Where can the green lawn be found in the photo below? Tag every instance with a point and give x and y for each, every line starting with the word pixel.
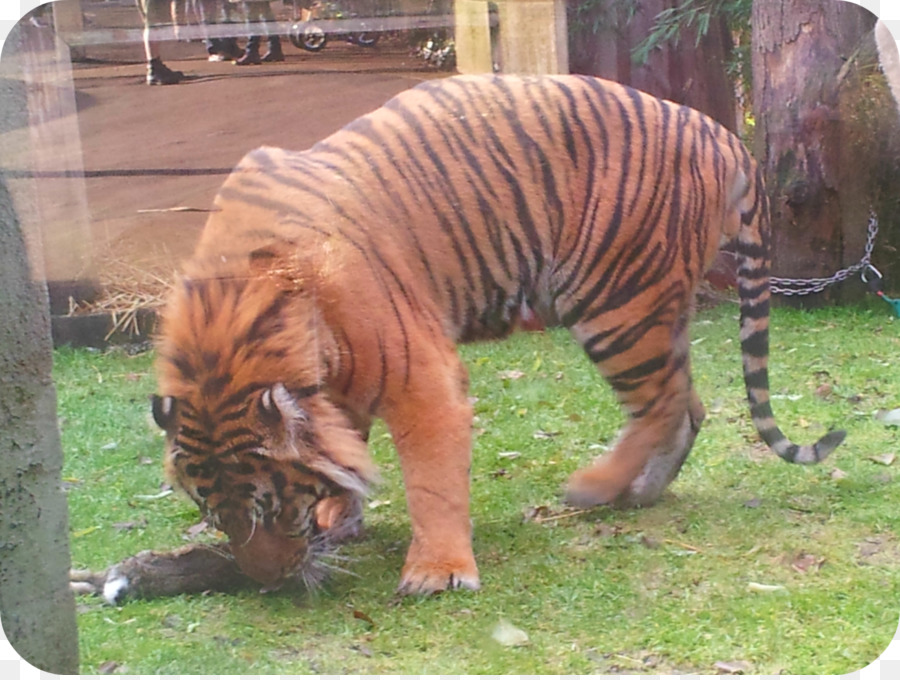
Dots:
pixel 660 590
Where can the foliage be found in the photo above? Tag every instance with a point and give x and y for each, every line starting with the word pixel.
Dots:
pixel 683 587
pixel 597 16
pixel 671 23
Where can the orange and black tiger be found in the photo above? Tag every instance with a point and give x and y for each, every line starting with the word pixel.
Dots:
pixel 331 286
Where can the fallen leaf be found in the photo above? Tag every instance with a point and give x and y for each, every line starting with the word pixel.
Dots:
pixel 837 474
pixel 508 635
pixel 752 503
pixel 512 374
pixel 362 616
pixel 535 512
pixel 197 529
pixel 377 504
pixel 824 391
pixel 509 454
pixel 649 542
pixel 110 446
pixel 732 667
pixel 84 532
pixel 607 530
pixel 543 434
pixel 804 562
pixel 754 587
pixel 108 668
pixel 889 417
pixel 883 459
pixel 155 496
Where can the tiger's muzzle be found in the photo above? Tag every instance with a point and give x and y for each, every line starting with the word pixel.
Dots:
pixel 271 554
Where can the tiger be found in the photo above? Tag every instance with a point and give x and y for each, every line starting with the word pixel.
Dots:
pixel 332 286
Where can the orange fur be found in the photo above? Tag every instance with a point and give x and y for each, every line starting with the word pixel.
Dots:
pixel 332 285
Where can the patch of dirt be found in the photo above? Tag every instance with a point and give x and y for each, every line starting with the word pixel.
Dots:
pixel 879 550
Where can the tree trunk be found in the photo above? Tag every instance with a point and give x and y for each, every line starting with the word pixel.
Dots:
pixel 603 35
pixel 826 136
pixel 36 605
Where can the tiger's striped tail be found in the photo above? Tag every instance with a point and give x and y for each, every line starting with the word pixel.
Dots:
pixel 753 247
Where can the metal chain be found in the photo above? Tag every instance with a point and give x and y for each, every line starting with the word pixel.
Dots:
pixel 809 286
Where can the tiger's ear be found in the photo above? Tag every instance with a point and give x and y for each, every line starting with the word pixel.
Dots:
pixel 326 441
pixel 163 411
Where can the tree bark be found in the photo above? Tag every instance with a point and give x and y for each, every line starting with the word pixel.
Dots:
pixel 826 136
pixel 37 608
pixel 603 35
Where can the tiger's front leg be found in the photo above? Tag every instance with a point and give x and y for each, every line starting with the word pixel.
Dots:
pixel 432 432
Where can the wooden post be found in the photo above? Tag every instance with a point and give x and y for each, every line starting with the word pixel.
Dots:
pixel 473 36
pixel 68 20
pixel 533 37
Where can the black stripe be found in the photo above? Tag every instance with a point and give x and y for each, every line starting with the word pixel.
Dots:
pixel 761 410
pixel 305 391
pixel 241 395
pixel 758 310
pixel 234 415
pixel 757 344
pixel 753 251
pixel 632 378
pixel 757 380
pixel 746 292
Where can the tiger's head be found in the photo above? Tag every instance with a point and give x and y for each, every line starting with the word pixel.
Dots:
pixel 251 435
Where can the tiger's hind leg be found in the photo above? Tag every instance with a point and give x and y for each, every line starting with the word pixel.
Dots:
pixel 663 409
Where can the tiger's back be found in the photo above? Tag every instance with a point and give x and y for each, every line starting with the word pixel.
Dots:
pixel 501 191
pixel 458 209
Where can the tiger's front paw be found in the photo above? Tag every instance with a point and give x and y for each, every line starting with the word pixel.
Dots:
pixel 426 578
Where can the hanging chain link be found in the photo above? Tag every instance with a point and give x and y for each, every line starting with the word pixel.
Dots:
pixel 809 286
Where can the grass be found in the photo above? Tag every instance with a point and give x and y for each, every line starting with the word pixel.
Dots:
pixel 663 590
